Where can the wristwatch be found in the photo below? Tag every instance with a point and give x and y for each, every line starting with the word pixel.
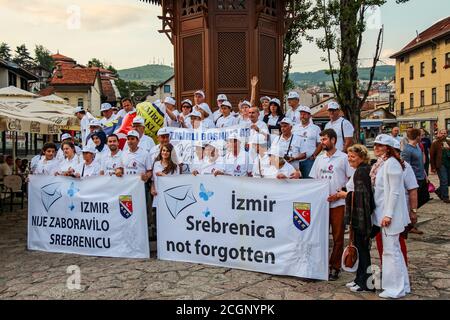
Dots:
pixel 414 210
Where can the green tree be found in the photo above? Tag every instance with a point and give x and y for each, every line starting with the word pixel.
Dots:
pixel 298 22
pixel 22 57
pixel 5 51
pixel 43 57
pixel 94 62
pixel 344 23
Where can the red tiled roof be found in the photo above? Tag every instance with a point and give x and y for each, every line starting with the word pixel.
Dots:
pixel 47 91
pixel 108 91
pixel 60 57
pixel 437 30
pixel 74 77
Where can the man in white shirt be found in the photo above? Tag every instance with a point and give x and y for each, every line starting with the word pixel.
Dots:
pixel 109 118
pixel 309 134
pixel 293 112
pixel 85 118
pixel 113 161
pixel 289 143
pixel 66 137
pixel 135 160
pixel 127 107
pixel 197 123
pixel 343 128
pixel 218 113
pixel 236 162
pixel 145 142
pixel 333 166
pixel 201 106
pixel 226 119
pixel 256 125
pixel 170 113
pixel 48 164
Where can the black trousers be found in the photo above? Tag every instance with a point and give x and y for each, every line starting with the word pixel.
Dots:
pixel 362 243
pixel 423 196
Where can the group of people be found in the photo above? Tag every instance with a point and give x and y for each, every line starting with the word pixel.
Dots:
pixel 378 201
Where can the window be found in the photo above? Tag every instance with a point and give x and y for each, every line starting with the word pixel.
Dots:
pixel 402 85
pixel 407 59
pixel 447 124
pixel 411 73
pixel 433 96
pixel 167 88
pixel 80 102
pixel 422 98
pixel 23 84
pixel 422 69
pixel 12 79
pixel 402 108
pixel 411 100
pixel 447 92
pixel 433 65
pixel 447 59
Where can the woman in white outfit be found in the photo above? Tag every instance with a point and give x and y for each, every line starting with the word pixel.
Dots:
pixel 71 160
pixel 391 214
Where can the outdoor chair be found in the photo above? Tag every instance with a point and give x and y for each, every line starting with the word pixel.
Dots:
pixel 13 185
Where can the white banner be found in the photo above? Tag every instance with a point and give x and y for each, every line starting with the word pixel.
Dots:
pixel 266 225
pixel 101 216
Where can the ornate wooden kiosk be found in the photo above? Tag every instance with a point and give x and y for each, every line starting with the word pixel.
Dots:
pixel 220 44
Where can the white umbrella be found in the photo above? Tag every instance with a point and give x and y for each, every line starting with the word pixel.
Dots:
pixel 15 97
pixel 53 98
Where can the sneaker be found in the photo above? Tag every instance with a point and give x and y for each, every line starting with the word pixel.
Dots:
pixel 384 295
pixel 334 275
pixel 359 289
pixel 350 284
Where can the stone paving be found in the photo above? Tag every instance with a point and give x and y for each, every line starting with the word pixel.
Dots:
pixel 37 275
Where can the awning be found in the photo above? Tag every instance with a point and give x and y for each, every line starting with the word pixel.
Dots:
pixel 371 123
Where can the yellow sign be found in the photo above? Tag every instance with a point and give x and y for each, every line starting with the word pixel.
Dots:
pixel 154 118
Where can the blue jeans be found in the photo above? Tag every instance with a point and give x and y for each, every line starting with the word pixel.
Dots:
pixel 305 168
pixel 444 177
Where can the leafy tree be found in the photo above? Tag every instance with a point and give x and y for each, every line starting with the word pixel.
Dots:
pixel 5 51
pixel 22 57
pixel 43 57
pixel 94 62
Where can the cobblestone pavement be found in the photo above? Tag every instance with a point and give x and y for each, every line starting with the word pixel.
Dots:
pixel 38 275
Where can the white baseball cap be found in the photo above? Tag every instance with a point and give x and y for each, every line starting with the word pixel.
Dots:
pixel 247 103
pixel 133 133
pixel 258 139
pixel 189 102
pixel 396 144
pixel 170 100
pixel 79 109
pixel 265 98
pixel 305 109
pixel 222 97
pixel 227 103
pixel 276 101
pixel 66 136
pixel 333 106
pixel 195 113
pixel 105 107
pixel 293 95
pixel 163 131
pixel 95 123
pixel 287 121
pixel 200 92
pixel 89 149
pixel 385 140
pixel 205 107
pixel 139 121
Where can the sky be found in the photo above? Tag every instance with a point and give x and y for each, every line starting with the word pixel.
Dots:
pixel 125 34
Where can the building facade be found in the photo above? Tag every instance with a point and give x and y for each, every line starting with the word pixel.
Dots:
pixel 423 80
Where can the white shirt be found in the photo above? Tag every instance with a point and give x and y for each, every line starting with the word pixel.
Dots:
pixel 100 155
pixel 84 127
pixel 261 115
pixel 260 165
pixel 217 114
pixel 136 163
pixel 66 164
pixel 237 166
pixel 34 162
pixel 224 122
pixel 158 167
pixel 204 125
pixel 60 153
pixel 263 129
pixel 88 170
pixel 310 137
pixel 154 153
pixel 111 162
pixel 291 149
pixel 108 122
pixel 122 113
pixel 272 121
pixel 271 172
pixel 347 127
pixel 145 143
pixel 336 170
pixel 294 115
pixel 242 122
pixel 168 122
pixel 47 167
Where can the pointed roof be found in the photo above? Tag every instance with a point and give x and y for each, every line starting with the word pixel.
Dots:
pixel 437 30
pixel 60 57
pixel 85 76
pixel 16 92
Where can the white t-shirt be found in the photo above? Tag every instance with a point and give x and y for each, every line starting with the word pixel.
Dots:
pixel 291 149
pixel 99 155
pixel 122 113
pixel 136 163
pixel 110 163
pixel 260 165
pixel 310 137
pixel 66 164
pixel 334 169
pixel 272 121
pixel 347 127
pixel 168 122
pixel 237 166
pixel 47 167
pixel 217 114
pixel 271 172
pixel 158 167
pixel 91 170
pixel 145 143
pixel 207 167
pixel 241 121
pixel 263 129
pixel 294 115
pixel 60 153
pixel 33 165
pixel 224 122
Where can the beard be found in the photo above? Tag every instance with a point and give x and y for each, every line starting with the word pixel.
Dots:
pixel 326 147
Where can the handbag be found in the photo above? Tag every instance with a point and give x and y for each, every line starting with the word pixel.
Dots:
pixel 350 256
pixel 431 187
